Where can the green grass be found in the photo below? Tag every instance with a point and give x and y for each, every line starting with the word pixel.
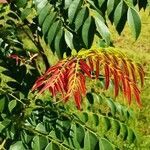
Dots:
pixel 139 51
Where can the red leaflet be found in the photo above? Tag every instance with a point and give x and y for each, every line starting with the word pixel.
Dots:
pixel 97 68
pixel 137 95
pixel 37 85
pixel 82 84
pixel 116 82
pixel 77 97
pixel 107 75
pixel 125 66
pixel 141 74
pixel 128 92
pixel 123 84
pixel 85 68
pixel 132 68
pixel 91 63
pixel 115 60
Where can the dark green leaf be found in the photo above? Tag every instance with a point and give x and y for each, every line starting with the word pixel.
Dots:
pixel 4 124
pixel 102 29
pixel 112 106
pixel 21 3
pixel 107 123
pixel 41 128
pixel 40 5
pixel 53 31
pixel 134 22
pixel 101 2
pixel 105 145
pixel 67 3
pixel 81 16
pixel 90 141
pixel 116 126
pixel 73 9
pixel 120 16
pixel 77 133
pixel 52 146
pixel 17 146
pixel 69 39
pixel 2 103
pixel 110 6
pixel 39 142
pixel 58 43
pixel 123 132
pixel 44 12
pixel 131 136
pixel 12 104
pixel 88 32
pixel 48 22
pixel 25 13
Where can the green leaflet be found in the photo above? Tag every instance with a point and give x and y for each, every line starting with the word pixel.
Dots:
pixel 116 127
pixel 69 39
pixel 4 124
pixel 102 29
pixel 41 128
pixel 53 31
pixel 120 10
pixel 134 22
pixel 40 5
pixel 112 106
pixel 44 12
pixel 39 142
pixel 110 6
pixel 123 132
pixel 88 32
pixel 58 43
pixel 81 16
pixel 48 22
pixel 67 3
pixel 2 103
pixel 17 146
pixel 12 104
pixel 25 13
pixel 77 132
pixel 73 9
pixel 105 145
pixel 90 141
pixel 21 3
pixel 131 136
pixel 100 2
pixel 52 146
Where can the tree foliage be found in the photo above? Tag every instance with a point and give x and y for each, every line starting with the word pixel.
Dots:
pixel 29 120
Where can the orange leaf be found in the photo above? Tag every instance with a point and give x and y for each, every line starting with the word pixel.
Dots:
pixel 97 68
pixel 137 95
pixel 107 75
pixel 77 98
pixel 85 68
pixel 116 82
